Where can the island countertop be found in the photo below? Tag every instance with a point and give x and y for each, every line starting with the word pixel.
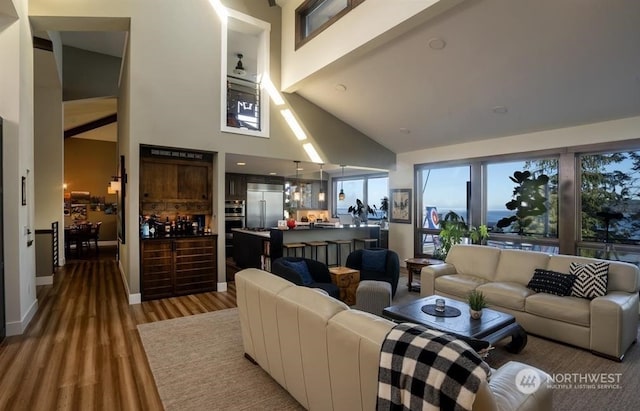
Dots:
pixel 249 244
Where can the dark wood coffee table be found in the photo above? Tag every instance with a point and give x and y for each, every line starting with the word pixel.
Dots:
pixel 493 326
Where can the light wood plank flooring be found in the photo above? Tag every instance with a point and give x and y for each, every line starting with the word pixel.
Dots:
pixel 82 350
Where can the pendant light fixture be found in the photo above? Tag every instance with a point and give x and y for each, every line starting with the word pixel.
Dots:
pixel 239 70
pixel 321 193
pixel 296 193
pixel 341 195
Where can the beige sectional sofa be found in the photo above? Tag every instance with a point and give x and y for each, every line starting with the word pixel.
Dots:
pixel 326 355
pixel 606 325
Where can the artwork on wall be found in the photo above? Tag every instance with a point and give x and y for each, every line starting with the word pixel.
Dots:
pixel 400 210
pixel 80 197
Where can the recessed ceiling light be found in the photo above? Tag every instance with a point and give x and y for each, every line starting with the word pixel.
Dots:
pixel 240 163
pixel 272 173
pixel 340 87
pixel 500 110
pixel 405 130
pixel 437 43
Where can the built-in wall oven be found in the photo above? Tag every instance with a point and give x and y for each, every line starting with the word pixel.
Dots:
pixel 234 217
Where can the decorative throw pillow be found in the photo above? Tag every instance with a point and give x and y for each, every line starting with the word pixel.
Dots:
pixel 374 260
pixel 591 279
pixel 551 282
pixel 301 268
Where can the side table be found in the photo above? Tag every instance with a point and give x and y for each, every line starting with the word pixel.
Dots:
pixel 414 266
pixel 347 280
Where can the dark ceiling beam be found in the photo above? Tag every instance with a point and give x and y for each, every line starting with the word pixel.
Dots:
pixel 42 44
pixel 272 3
pixel 92 125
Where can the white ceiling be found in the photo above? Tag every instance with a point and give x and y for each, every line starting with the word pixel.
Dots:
pixel 547 63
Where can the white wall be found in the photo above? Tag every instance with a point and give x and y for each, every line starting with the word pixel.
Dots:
pixel 16 107
pixel 349 34
pixel 401 236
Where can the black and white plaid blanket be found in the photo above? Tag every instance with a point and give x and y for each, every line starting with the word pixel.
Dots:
pixel 423 369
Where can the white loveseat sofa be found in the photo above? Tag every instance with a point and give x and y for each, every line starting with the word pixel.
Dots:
pixel 326 355
pixel 606 325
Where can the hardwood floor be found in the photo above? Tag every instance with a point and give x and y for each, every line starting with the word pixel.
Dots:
pixel 82 350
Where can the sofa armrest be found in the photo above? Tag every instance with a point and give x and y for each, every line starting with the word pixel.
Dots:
pixel 429 274
pixel 509 395
pixel 614 323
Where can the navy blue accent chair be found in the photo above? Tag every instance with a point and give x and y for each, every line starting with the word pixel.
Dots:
pixel 388 271
pixel 319 272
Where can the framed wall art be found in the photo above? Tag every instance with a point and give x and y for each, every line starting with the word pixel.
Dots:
pixel 400 205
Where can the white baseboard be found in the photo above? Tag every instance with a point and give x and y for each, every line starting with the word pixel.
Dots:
pixel 45 280
pixel 222 287
pixel 133 298
pixel 18 327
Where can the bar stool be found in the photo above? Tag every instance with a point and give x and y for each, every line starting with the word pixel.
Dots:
pixel 339 244
pixel 293 246
pixel 314 245
pixel 366 242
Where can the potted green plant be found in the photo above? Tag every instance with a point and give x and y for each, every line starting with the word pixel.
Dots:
pixel 359 211
pixel 384 207
pixel 476 302
pixel 453 229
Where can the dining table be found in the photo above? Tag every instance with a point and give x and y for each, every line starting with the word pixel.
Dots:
pixel 75 234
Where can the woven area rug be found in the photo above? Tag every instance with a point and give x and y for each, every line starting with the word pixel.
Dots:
pixel 198 364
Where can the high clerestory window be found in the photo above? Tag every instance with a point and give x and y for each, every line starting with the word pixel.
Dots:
pixel 314 16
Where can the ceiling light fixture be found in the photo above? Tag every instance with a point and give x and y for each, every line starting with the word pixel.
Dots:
pixel 296 192
pixel 321 196
pixel 239 70
pixel 341 195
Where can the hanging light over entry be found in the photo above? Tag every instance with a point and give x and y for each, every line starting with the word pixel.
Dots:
pixel 341 194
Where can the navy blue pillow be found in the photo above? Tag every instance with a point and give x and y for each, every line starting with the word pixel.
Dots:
pixel 301 268
pixel 374 260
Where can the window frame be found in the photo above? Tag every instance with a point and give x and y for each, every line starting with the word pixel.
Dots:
pixel 335 182
pixel 309 6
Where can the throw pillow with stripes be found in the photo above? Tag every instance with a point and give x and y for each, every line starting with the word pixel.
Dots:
pixel 591 279
pixel 551 282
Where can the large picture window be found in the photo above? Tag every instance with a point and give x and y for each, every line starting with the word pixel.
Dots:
pixel 610 202
pixel 368 189
pixel 501 189
pixel 441 190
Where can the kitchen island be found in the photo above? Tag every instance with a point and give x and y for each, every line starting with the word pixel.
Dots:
pixel 252 248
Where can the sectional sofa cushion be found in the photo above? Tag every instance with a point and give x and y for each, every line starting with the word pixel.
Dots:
pixel 551 282
pixel 591 279
pixel 518 265
pixel 473 261
pixel 505 294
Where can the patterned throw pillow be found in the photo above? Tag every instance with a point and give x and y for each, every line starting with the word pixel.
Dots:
pixel 591 279
pixel 551 282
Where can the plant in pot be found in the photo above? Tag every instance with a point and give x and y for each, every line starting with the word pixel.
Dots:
pixel 453 229
pixel 527 201
pixel 476 302
pixel 384 208
pixel 359 211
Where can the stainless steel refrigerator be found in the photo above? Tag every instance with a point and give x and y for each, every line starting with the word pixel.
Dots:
pixel 265 205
